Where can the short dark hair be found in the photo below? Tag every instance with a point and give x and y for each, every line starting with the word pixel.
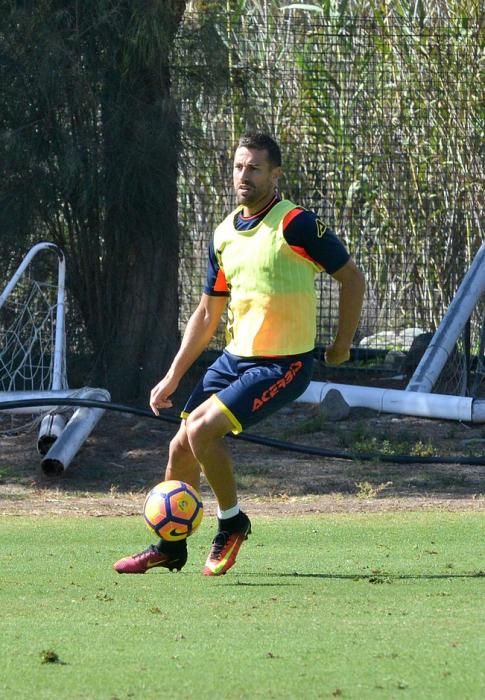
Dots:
pixel 262 142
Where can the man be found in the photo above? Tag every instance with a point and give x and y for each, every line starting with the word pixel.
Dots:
pixel 262 260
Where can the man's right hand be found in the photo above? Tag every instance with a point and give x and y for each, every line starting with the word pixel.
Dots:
pixel 161 393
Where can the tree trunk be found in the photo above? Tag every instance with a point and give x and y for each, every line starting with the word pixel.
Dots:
pixel 140 319
pixel 133 314
pixel 139 333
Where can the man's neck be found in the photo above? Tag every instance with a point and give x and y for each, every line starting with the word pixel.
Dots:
pixel 256 213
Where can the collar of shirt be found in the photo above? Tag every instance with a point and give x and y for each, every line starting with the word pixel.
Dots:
pixel 246 223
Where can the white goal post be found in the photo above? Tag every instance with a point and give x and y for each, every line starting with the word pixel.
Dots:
pixel 33 357
pixel 30 336
pixel 440 350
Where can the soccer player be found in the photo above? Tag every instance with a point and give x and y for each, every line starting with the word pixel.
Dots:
pixel 263 259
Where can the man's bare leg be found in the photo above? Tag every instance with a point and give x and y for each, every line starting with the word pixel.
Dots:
pixel 182 465
pixel 206 427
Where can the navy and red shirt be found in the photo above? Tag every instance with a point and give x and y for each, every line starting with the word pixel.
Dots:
pixel 302 230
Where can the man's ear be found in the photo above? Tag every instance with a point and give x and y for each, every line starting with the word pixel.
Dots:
pixel 277 173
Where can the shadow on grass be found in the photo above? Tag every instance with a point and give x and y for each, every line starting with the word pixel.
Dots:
pixel 373 578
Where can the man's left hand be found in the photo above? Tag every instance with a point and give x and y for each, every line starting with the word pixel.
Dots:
pixel 335 355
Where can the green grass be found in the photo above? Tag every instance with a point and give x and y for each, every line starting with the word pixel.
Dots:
pixel 352 606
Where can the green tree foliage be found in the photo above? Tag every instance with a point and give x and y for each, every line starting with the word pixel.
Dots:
pixel 89 138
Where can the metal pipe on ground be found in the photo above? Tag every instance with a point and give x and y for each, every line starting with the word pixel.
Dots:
pixel 50 429
pixel 76 432
pixel 421 404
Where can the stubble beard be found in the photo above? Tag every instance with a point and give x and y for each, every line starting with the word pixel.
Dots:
pixel 246 197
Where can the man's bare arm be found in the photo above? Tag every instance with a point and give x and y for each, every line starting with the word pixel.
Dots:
pixel 352 288
pixel 198 333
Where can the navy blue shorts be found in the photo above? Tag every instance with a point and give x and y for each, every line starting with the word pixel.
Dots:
pixel 248 389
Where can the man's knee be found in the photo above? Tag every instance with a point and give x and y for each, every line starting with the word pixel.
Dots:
pixel 179 444
pixel 196 429
pixel 206 424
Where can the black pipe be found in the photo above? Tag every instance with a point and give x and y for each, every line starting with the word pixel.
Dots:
pixel 248 437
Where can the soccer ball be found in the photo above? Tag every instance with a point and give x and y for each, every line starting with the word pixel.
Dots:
pixel 173 510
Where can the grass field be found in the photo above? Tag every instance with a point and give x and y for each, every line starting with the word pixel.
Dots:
pixel 352 606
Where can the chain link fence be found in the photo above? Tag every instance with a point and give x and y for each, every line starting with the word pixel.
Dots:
pixel 381 129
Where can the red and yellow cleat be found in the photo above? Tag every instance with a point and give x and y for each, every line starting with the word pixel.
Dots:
pixel 149 559
pixel 225 547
